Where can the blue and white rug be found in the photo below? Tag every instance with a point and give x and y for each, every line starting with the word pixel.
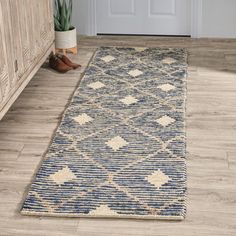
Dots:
pixel 120 148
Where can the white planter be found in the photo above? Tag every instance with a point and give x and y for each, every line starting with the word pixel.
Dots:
pixel 66 39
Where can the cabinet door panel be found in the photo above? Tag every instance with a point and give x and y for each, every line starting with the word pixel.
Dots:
pixel 8 39
pixel 45 31
pixel 17 38
pixel 35 29
pixel 26 32
pixel 4 76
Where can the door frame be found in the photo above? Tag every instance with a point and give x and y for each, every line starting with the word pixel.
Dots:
pixel 196 18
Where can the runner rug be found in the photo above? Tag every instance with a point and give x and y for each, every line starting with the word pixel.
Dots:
pixel 119 150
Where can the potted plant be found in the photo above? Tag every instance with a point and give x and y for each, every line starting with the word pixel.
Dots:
pixel 65 33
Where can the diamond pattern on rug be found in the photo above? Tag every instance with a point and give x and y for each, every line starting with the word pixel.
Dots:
pixel 158 178
pixel 103 210
pixel 123 143
pixel 119 150
pixel 62 176
pixel 116 143
pixel 96 85
pixel 165 120
pixel 128 100
pixel 168 60
pixel 166 87
pixel 83 119
pixel 135 73
pixel 108 58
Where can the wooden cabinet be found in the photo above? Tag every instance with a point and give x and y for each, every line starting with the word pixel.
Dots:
pixel 4 76
pixel 26 39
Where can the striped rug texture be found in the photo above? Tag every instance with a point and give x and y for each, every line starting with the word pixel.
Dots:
pixel 119 150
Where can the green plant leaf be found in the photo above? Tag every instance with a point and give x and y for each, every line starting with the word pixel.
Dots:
pixel 57 24
pixel 57 10
pixel 68 17
pixel 63 14
pixel 70 7
pixel 59 5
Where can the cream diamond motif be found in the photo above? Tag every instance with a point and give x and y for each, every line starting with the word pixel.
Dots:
pixel 135 73
pixel 103 210
pixel 166 87
pixel 165 120
pixel 140 49
pixel 83 119
pixel 108 58
pixel 116 143
pixel 128 100
pixel 158 178
pixel 168 60
pixel 63 176
pixel 96 85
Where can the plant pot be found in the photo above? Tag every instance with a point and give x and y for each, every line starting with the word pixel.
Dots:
pixel 66 39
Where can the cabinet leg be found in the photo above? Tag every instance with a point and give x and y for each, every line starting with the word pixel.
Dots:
pixel 64 51
pixel 74 50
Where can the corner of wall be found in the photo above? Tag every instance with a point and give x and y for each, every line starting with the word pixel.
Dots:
pixel 92 24
pixel 196 18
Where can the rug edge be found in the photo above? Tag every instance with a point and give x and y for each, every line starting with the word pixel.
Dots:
pixel 75 215
pixel 61 116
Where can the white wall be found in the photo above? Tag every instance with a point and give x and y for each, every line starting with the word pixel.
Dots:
pixel 80 16
pixel 218 18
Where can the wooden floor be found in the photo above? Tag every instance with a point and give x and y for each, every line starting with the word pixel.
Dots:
pixel 27 128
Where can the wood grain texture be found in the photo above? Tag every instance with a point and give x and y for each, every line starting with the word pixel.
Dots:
pixel 27 33
pixel 27 128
